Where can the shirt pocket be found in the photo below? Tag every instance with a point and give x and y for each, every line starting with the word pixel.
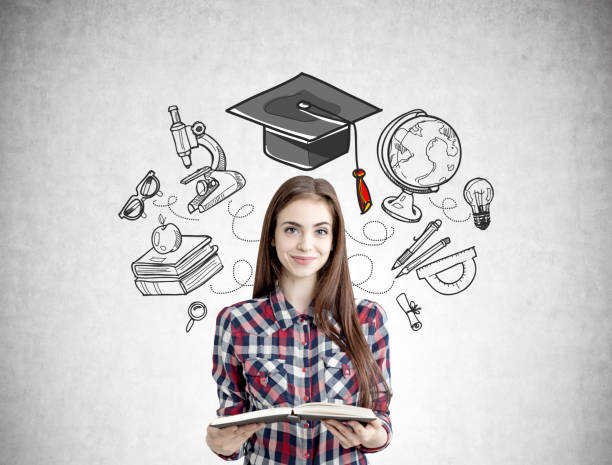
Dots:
pixel 340 379
pixel 266 382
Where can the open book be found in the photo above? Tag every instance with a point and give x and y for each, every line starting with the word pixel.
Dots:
pixel 311 411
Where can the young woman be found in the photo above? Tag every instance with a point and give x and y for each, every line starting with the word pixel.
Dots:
pixel 302 338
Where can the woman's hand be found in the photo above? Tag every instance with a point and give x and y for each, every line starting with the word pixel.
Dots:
pixel 226 441
pixel 371 436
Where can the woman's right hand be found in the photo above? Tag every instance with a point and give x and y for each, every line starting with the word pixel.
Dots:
pixel 226 441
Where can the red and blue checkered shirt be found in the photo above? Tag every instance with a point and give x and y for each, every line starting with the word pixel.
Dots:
pixel 267 355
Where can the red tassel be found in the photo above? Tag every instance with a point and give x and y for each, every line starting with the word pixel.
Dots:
pixel 363 193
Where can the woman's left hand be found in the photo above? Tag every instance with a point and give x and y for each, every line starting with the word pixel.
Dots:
pixel 371 436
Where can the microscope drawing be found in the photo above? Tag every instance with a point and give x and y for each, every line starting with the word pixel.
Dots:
pixel 213 183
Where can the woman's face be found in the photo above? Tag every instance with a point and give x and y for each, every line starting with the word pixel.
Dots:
pixel 303 236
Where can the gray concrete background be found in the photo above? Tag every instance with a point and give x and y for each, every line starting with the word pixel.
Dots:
pixel 515 370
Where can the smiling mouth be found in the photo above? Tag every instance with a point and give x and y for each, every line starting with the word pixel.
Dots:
pixel 303 260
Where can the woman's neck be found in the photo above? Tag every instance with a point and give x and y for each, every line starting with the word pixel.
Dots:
pixel 298 291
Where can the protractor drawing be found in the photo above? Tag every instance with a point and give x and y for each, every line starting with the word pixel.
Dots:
pixel 464 259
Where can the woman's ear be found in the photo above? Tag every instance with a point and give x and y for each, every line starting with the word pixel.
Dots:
pixel 272 243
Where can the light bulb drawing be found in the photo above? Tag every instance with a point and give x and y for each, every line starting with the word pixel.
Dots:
pixel 478 193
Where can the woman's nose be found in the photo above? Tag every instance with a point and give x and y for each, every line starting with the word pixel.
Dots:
pixel 304 244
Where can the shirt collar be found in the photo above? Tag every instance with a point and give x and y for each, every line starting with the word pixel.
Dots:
pixel 284 312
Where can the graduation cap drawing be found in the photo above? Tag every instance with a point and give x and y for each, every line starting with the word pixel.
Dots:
pixel 307 123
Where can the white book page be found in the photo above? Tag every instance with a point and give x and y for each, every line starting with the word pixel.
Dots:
pixel 323 408
pixel 260 415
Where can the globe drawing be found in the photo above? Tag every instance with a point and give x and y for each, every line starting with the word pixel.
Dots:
pixel 417 152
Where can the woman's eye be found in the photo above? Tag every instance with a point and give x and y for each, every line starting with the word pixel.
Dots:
pixel 290 230
pixel 321 232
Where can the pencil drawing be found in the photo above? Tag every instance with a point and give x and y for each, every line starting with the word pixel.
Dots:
pixel 430 252
pixel 431 227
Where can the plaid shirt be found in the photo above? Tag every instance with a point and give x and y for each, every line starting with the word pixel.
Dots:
pixel 266 355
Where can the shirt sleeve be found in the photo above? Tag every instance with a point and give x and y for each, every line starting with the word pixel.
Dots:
pixel 227 373
pixel 378 339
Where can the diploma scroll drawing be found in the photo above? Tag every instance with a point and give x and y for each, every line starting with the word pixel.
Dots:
pixel 411 310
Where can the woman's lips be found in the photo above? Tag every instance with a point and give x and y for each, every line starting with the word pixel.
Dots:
pixel 302 260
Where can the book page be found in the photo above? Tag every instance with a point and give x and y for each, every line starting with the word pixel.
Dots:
pixel 327 410
pixel 265 416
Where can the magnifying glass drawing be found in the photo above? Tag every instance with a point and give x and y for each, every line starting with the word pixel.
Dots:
pixel 197 311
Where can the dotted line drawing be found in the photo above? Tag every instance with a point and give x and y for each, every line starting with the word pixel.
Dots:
pixel 443 207
pixel 236 280
pixel 238 215
pixel 358 284
pixel 376 241
pixel 172 199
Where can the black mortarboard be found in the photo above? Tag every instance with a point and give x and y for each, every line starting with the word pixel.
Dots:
pixel 306 121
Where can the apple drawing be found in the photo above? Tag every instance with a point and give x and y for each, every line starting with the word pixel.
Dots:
pixel 166 238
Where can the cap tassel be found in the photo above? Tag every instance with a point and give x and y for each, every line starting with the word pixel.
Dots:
pixel 363 193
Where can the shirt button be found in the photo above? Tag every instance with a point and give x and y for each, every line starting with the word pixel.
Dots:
pixel 306 398
pixel 306 425
pixel 307 455
pixel 305 343
pixel 304 369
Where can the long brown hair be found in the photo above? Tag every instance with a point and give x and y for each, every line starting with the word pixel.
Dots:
pixel 334 288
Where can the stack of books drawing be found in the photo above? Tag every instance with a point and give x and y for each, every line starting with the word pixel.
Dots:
pixel 178 272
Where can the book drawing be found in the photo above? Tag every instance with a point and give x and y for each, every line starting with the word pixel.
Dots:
pixel 192 249
pixel 178 272
pixel 311 411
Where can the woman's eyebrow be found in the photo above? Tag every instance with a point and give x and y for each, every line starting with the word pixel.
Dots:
pixel 294 223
